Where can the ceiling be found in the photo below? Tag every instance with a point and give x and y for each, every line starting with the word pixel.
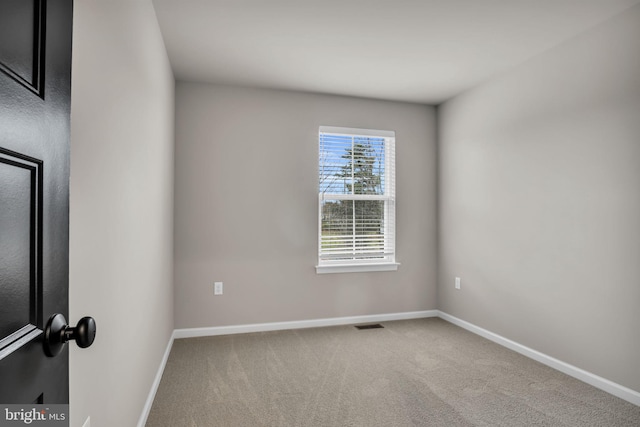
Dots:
pixel 417 51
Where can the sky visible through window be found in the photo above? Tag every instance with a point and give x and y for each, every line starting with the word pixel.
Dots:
pixel 351 164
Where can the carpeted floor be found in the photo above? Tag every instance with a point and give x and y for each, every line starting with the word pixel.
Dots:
pixel 424 372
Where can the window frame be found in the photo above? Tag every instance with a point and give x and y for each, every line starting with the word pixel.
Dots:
pixel 387 261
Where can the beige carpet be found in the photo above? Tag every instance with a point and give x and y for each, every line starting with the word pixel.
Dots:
pixel 424 372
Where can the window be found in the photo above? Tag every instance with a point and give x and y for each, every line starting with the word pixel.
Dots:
pixel 356 213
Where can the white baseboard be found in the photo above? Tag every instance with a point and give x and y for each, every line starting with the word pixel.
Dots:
pixel 604 384
pixel 156 383
pixel 278 326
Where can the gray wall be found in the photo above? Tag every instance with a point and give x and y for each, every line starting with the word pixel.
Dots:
pixel 246 207
pixel 539 202
pixel 121 207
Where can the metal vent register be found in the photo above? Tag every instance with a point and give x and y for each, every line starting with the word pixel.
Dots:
pixel 373 326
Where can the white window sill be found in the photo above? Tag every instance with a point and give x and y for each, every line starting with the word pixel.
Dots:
pixel 356 268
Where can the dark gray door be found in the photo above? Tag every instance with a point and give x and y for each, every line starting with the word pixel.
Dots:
pixel 35 83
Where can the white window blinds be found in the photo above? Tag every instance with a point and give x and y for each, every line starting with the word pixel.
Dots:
pixel 356 196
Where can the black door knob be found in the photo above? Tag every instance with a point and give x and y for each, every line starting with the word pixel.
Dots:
pixel 57 333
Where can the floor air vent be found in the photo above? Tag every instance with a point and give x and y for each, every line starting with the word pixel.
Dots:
pixel 374 326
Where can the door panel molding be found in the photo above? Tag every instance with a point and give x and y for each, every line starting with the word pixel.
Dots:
pixel 34 80
pixel 13 340
pixel 19 338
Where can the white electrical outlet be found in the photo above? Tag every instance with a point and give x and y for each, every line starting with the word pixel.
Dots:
pixel 457 283
pixel 217 288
